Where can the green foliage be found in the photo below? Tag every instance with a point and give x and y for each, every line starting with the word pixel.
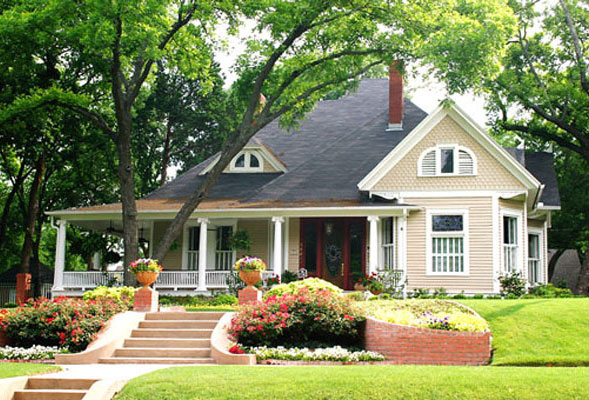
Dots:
pixel 297 319
pixel 512 285
pixel 199 300
pixel 224 299
pixel 420 293
pixel 393 282
pixel 550 291
pixel 313 285
pixel 288 277
pixel 241 241
pixel 66 322
pixel 355 296
pixel 124 294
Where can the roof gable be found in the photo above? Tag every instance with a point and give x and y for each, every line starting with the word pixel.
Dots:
pixel 517 172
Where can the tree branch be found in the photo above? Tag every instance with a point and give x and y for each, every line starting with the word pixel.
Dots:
pixel 576 45
pixel 544 134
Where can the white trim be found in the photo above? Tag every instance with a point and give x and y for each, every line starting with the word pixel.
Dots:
pixel 518 214
pixel 525 242
pixel 470 126
pixel 464 235
pixel 247 159
pixel 151 239
pixel 390 195
pixel 185 236
pixel 496 244
pixel 456 148
pixel 402 249
pixel 285 240
pixel 541 252
pixel 373 247
pixel 262 152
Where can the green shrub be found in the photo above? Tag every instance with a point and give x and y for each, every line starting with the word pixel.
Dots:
pixel 125 294
pixel 66 322
pixel 10 304
pixel 419 293
pixel 512 285
pixel 297 319
pixel 223 300
pixel 355 296
pixel 512 296
pixel 313 285
pixel 478 296
pixel 459 296
pixel 440 293
pixel 288 277
pixel 385 296
pixel 550 291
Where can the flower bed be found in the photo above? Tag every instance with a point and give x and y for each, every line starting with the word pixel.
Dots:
pixel 336 353
pixel 31 353
pixel 66 322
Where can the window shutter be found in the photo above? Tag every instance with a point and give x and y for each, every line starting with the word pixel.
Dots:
pixel 465 163
pixel 428 164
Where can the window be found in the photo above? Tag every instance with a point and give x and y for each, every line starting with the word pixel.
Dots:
pixel 534 260
pixel 224 253
pixel 446 160
pixel 388 243
pixel 247 162
pixel 447 247
pixel 510 244
pixel 193 246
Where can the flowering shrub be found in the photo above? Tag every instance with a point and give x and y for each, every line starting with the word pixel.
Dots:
pixel 273 280
pixel 236 349
pixel 31 353
pixel 145 264
pixel 67 322
pixel 433 314
pixel 248 263
pixel 3 314
pixel 322 317
pixel 312 285
pixel 512 284
pixel 335 353
pixel 126 294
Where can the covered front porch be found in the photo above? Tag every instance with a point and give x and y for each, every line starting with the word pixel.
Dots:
pixel 333 247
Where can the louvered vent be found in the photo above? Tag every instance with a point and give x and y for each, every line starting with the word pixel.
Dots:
pixel 465 163
pixel 428 164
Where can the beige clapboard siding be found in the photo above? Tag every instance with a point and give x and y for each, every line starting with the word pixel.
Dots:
pixel 294 244
pixel 535 223
pixel 490 175
pixel 258 231
pixel 172 260
pixel 480 278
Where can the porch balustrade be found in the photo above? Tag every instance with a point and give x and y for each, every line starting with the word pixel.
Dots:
pixel 89 279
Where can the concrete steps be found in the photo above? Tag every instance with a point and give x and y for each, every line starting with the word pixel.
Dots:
pixel 169 338
pixel 54 389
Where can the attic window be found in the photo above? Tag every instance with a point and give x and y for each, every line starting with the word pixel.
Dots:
pixel 246 161
pixel 446 160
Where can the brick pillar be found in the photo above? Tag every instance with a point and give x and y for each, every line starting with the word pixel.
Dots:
pixel 146 300
pixel 23 287
pixel 249 295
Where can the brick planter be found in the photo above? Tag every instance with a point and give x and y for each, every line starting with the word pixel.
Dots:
pixel 402 344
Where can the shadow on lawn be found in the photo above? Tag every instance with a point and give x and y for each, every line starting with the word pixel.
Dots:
pixel 504 312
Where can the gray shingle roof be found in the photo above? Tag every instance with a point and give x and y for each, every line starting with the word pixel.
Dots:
pixel 329 153
pixel 541 165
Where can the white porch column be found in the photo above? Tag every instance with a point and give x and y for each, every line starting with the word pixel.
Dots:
pixel 202 255
pixel 59 255
pixel 373 255
pixel 402 246
pixel 278 221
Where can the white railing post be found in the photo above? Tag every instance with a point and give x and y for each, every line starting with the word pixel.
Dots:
pixel 202 255
pixel 278 221
pixel 373 255
pixel 59 255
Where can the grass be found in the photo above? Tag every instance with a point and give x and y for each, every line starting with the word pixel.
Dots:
pixel 359 382
pixel 9 370
pixel 537 331
pixel 211 308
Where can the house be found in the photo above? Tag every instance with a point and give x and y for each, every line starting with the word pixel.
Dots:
pixel 367 182
pixel 8 283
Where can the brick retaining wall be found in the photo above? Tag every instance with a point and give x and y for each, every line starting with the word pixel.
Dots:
pixel 402 344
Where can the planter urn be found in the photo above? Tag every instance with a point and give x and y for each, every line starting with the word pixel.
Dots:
pixel 359 287
pixel 146 278
pixel 250 278
pixel 376 292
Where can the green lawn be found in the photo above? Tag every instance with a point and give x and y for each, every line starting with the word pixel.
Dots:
pixel 8 370
pixel 359 382
pixel 537 331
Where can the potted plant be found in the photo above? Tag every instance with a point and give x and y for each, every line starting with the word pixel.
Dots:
pixel 146 270
pixel 250 269
pixel 363 282
pixel 376 287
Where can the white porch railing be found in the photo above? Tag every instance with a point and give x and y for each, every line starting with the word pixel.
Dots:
pixel 224 260
pixel 166 280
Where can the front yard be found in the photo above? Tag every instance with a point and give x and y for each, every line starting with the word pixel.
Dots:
pixel 360 382
pixel 9 370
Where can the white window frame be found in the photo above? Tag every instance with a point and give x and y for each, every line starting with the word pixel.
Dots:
pixel 540 269
pixel 388 247
pixel 518 215
pixel 464 234
pixel 247 167
pixel 438 149
pixel 185 243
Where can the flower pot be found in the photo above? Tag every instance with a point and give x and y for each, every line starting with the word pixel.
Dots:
pixel 146 278
pixel 250 277
pixel 376 292
pixel 359 287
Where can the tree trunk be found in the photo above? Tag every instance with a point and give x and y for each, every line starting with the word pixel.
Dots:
pixel 166 155
pixel 36 263
pixel 33 210
pixel 127 180
pixel 583 282
pixel 4 219
pixel 553 262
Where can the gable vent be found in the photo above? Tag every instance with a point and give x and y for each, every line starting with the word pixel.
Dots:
pixel 428 164
pixel 465 163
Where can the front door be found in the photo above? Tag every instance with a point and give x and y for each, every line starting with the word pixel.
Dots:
pixel 333 249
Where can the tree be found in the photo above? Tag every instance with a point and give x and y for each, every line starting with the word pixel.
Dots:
pixel 542 97
pixel 300 52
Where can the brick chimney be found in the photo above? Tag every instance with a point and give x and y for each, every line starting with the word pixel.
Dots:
pixel 395 97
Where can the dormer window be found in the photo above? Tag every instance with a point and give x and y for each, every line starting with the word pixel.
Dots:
pixel 446 160
pixel 247 161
